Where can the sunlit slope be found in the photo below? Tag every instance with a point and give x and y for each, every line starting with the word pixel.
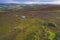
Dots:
pixel 12 28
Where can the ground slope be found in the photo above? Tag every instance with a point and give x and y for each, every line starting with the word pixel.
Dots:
pixel 38 25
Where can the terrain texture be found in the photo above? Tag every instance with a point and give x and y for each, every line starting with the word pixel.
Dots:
pixel 30 24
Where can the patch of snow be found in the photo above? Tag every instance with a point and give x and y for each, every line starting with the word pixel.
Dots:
pixel 23 17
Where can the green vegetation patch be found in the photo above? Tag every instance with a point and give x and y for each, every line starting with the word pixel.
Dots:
pixel 28 29
pixel 57 37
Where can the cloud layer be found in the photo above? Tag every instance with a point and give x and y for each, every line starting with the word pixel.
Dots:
pixel 31 1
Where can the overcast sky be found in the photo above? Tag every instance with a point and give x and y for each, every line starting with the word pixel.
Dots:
pixel 31 1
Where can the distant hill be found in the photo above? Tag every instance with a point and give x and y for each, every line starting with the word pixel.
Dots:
pixel 51 8
pixel 19 7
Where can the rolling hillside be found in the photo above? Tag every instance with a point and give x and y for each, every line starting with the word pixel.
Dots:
pixel 30 24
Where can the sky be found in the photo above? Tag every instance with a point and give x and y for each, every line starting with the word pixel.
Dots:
pixel 31 1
